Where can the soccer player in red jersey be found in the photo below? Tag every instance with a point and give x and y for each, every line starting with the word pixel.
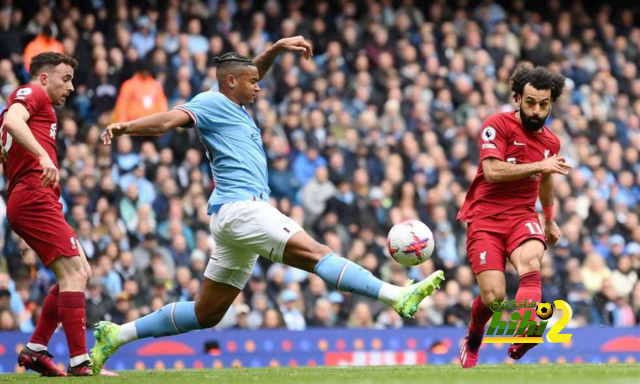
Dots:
pixel 29 156
pixel 518 157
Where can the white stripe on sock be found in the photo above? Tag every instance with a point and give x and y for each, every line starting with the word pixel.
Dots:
pixel 344 268
pixel 389 293
pixel 74 361
pixel 128 333
pixel 36 347
pixel 173 318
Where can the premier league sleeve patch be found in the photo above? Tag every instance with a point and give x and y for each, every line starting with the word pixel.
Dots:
pixel 488 134
pixel 24 92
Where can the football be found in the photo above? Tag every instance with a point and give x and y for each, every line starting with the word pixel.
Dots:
pixel 544 311
pixel 410 242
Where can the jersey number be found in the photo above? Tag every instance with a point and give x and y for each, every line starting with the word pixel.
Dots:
pixel 534 228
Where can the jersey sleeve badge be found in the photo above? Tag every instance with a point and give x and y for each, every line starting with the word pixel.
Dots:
pixel 488 134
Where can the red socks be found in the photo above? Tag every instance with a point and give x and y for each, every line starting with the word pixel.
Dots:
pixel 480 314
pixel 71 309
pixel 48 321
pixel 530 289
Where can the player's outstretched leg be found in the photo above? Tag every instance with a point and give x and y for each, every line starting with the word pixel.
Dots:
pixel 526 259
pixel 305 253
pixel 211 305
pixel 169 320
pixel 492 287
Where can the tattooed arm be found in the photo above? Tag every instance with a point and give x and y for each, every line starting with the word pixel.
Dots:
pixel 297 44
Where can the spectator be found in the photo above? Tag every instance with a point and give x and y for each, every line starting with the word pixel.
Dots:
pixel 315 195
pixel 44 42
pixel 293 318
pixel 140 96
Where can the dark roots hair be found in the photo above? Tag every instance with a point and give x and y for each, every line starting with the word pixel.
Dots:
pixel 539 78
pixel 46 60
pixel 230 63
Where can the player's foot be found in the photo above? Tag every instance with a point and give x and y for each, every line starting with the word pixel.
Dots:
pixel 82 369
pixel 41 362
pixel 106 335
pixel 412 295
pixel 470 349
pixel 517 350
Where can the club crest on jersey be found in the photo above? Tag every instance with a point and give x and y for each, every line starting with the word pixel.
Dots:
pixel 53 130
pixel 489 133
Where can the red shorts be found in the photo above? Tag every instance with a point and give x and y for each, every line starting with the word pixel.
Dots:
pixel 36 216
pixel 490 241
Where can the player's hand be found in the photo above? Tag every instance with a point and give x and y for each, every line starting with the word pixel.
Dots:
pixel 113 130
pixel 552 231
pixel 555 164
pixel 296 44
pixel 50 175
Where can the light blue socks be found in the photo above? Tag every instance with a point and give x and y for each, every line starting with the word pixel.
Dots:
pixel 344 275
pixel 169 320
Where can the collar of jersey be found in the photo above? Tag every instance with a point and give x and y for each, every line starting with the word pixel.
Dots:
pixel 233 102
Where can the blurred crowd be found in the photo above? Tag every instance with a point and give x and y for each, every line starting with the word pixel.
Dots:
pixel 381 125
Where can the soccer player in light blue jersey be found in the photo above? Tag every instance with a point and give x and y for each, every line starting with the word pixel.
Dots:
pixel 243 223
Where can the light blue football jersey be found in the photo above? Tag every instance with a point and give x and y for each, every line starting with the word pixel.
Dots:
pixel 233 146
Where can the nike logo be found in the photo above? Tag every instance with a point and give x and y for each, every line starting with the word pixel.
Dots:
pixel 515 142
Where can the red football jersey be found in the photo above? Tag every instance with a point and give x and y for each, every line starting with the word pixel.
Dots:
pixel 505 138
pixel 21 166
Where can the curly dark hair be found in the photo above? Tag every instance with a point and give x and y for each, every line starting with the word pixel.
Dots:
pixel 45 60
pixel 539 78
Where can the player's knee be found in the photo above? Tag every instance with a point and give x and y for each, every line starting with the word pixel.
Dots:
pixel 529 263
pixel 492 294
pixel 83 278
pixel 319 251
pixel 76 280
pixel 88 274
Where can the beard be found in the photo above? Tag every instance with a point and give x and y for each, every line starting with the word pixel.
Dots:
pixel 532 123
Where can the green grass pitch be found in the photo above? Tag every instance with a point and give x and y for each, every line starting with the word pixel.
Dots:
pixel 449 374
